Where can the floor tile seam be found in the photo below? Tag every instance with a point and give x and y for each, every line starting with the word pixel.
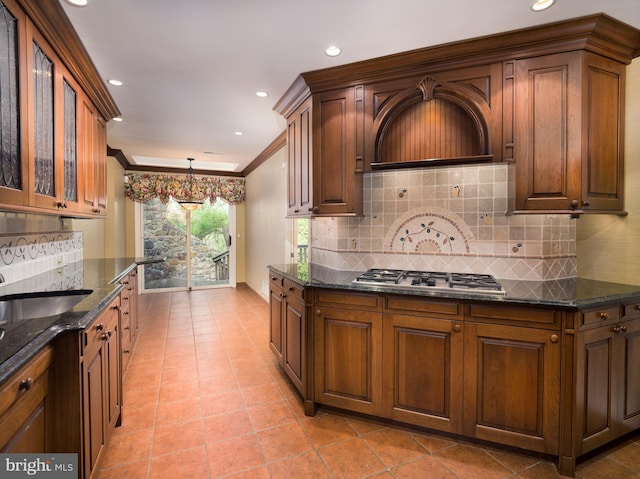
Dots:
pixel 127 464
pixel 538 461
pixel 154 455
pixel 615 461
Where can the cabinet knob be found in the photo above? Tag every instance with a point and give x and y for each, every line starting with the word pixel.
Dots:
pixel 585 203
pixel 574 204
pixel 25 384
pixel 296 210
pixel 623 329
pixel 604 315
pixel 106 336
pixel 616 329
pixel 554 338
pixel 457 328
pixel 315 210
pixel 318 312
pixel 291 289
pixel 95 210
pixel 99 327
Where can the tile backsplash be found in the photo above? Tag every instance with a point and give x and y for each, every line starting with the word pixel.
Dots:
pixel 446 219
pixel 26 255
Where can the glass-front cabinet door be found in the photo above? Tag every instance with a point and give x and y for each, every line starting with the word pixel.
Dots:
pixel 13 163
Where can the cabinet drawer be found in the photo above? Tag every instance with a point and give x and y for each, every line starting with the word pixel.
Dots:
pixel 414 304
pixel 291 289
pixel 603 315
pixel 514 315
pixel 99 331
pixel 347 300
pixel 276 279
pixel 630 310
pixel 20 384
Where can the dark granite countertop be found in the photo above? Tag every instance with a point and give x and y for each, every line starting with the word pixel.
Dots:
pixel 578 293
pixel 23 339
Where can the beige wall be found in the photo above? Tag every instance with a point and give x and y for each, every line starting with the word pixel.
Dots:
pixel 106 238
pixel 266 226
pixel 608 247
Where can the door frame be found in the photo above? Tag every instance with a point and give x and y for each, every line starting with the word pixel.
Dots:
pixel 139 252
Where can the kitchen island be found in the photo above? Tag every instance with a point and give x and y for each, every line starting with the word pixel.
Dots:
pixel 548 366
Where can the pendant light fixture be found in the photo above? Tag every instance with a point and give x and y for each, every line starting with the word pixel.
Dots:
pixel 190 205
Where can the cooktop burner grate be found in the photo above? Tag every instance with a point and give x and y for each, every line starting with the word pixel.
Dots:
pixel 432 280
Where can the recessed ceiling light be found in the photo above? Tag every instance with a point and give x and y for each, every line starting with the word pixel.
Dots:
pixel 238 133
pixel 539 5
pixel 333 51
pixel 262 94
pixel 77 3
pixel 117 118
pixel 114 82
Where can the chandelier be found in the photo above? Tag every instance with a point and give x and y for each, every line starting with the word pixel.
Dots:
pixel 190 205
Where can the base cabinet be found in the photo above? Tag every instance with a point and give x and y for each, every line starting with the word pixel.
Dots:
pixel 422 370
pixel 512 386
pixel 129 315
pixel 25 413
pixel 348 359
pixel 607 389
pixel 288 331
pixel 88 399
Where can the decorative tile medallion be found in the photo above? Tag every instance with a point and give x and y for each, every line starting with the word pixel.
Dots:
pixel 429 231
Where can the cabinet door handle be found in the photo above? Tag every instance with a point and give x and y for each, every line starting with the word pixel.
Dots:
pixel 616 329
pixel 296 210
pixel 457 328
pixel 604 315
pixel 25 384
pixel 623 329
pixel 106 335
pixel 554 338
pixel 99 327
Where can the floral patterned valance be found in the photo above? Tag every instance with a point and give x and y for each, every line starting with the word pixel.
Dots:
pixel 143 187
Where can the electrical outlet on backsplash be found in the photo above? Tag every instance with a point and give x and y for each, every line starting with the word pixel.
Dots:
pixel 29 255
pixel 446 219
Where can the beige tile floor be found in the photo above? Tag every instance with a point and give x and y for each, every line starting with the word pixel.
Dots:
pixel 205 398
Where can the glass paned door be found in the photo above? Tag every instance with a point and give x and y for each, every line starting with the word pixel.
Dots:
pixel 202 262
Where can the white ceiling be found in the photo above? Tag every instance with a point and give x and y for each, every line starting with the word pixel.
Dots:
pixel 191 67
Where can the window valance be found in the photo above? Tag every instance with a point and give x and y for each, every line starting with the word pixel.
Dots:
pixel 143 187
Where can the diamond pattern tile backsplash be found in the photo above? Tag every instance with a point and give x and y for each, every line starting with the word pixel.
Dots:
pixel 446 219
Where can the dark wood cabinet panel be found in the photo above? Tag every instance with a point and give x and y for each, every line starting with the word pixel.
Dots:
pixel 299 161
pixel 25 415
pixel 88 389
pixel 608 395
pixel 512 386
pixel 294 341
pixel 348 368
pixel 325 138
pixel 422 371
pixel 276 301
pixel 568 133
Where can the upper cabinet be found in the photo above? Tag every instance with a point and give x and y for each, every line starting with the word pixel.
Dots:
pixel 53 136
pixel 568 133
pixel 547 100
pixel 325 154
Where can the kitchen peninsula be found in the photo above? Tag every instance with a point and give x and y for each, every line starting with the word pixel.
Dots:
pixel 549 366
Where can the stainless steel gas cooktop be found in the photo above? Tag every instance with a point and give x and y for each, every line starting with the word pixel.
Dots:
pixel 432 281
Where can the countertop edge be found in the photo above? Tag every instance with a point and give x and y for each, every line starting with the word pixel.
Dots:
pixel 67 322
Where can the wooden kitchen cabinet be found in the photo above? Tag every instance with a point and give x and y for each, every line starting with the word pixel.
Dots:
pixel 52 158
pixel 88 397
pixel 608 368
pixel 325 139
pixel 569 133
pixel 422 351
pixel 289 331
pixel 25 414
pixel 348 355
pixel 512 357
pixel 129 317
pixel 512 385
pixel 276 302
